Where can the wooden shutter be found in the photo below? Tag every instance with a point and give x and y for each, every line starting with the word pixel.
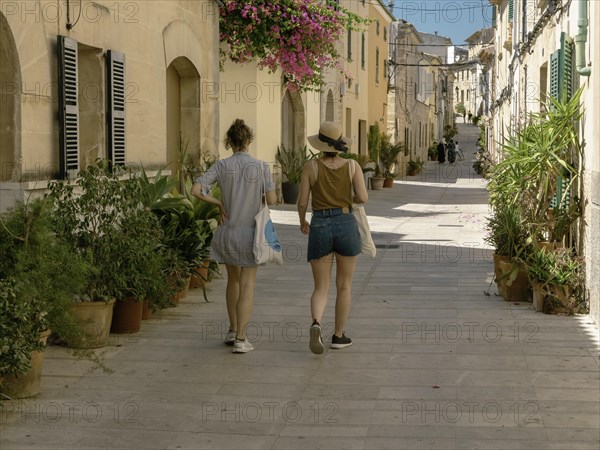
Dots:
pixel 115 91
pixel 566 66
pixel 561 69
pixel 554 74
pixel 511 10
pixel 68 107
pixel 561 88
pixel 349 44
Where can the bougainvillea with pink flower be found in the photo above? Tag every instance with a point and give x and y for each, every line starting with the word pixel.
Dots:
pixel 300 37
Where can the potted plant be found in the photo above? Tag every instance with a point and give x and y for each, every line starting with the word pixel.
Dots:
pixel 432 152
pixel 414 167
pixel 101 217
pixel 506 235
pixel 374 138
pixel 291 162
pixel 539 263
pixel 187 226
pixel 39 277
pixel 388 155
pixel 23 334
pixel 564 283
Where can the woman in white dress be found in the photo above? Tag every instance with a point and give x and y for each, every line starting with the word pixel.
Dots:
pixel 243 180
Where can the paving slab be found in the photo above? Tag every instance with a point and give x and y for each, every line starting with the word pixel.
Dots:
pixel 436 363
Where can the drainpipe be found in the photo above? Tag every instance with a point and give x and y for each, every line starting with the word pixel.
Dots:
pixel 581 39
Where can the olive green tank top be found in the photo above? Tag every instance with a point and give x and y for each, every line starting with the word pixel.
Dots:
pixel 332 188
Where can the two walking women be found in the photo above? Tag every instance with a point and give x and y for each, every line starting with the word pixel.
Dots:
pixel 333 182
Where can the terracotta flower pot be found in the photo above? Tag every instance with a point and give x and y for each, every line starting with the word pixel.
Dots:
pixel 539 295
pixel 377 183
pixel 498 273
pixel 127 316
pixel 388 183
pixel 146 310
pixel 517 290
pixel 94 319
pixel 199 276
pixel 27 384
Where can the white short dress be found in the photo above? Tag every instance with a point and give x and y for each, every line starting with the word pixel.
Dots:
pixel 242 180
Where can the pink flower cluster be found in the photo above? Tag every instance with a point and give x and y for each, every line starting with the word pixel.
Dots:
pixel 299 37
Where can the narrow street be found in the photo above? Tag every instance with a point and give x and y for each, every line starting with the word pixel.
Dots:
pixel 436 363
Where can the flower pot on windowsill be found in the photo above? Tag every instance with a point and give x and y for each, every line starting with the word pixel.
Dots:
pixel 27 384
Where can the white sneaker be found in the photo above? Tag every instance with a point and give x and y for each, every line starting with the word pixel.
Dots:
pixel 230 339
pixel 242 346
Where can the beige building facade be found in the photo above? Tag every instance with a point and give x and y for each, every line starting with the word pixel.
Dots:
pixel 378 59
pixel 103 79
pixel 540 46
pixel 421 94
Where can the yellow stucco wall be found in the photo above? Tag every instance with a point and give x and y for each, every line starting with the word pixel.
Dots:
pixel 151 34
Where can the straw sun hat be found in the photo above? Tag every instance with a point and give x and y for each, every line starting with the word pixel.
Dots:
pixel 329 139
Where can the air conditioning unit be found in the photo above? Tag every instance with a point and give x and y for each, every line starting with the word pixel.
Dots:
pixel 342 89
pixel 357 88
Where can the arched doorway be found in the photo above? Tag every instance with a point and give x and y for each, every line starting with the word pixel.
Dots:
pixel 183 110
pixel 293 128
pixel 10 102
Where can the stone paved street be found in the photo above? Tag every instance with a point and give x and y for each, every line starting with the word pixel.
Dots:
pixel 436 364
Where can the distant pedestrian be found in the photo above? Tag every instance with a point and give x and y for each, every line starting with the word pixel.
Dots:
pixel 243 180
pixel 333 232
pixel 451 152
pixel 441 151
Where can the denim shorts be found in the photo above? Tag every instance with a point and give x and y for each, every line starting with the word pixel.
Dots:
pixel 333 231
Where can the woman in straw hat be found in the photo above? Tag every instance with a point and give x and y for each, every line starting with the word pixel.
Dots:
pixel 333 231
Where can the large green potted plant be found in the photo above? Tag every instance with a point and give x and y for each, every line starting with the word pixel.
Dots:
pixel 40 276
pixel 23 334
pixel 506 235
pixel 388 155
pixel 374 138
pixel 187 226
pixel 101 216
pixel 291 161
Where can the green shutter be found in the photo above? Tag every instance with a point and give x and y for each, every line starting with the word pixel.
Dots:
pixel 561 88
pixel 511 10
pixel 554 71
pixel 561 70
pixel 362 51
pixel 494 12
pixel 566 68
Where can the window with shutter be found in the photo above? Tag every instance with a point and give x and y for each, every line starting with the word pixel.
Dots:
pixel 115 78
pixel 561 69
pixel 568 49
pixel 561 88
pixel 362 51
pixel 68 107
pixel 511 10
